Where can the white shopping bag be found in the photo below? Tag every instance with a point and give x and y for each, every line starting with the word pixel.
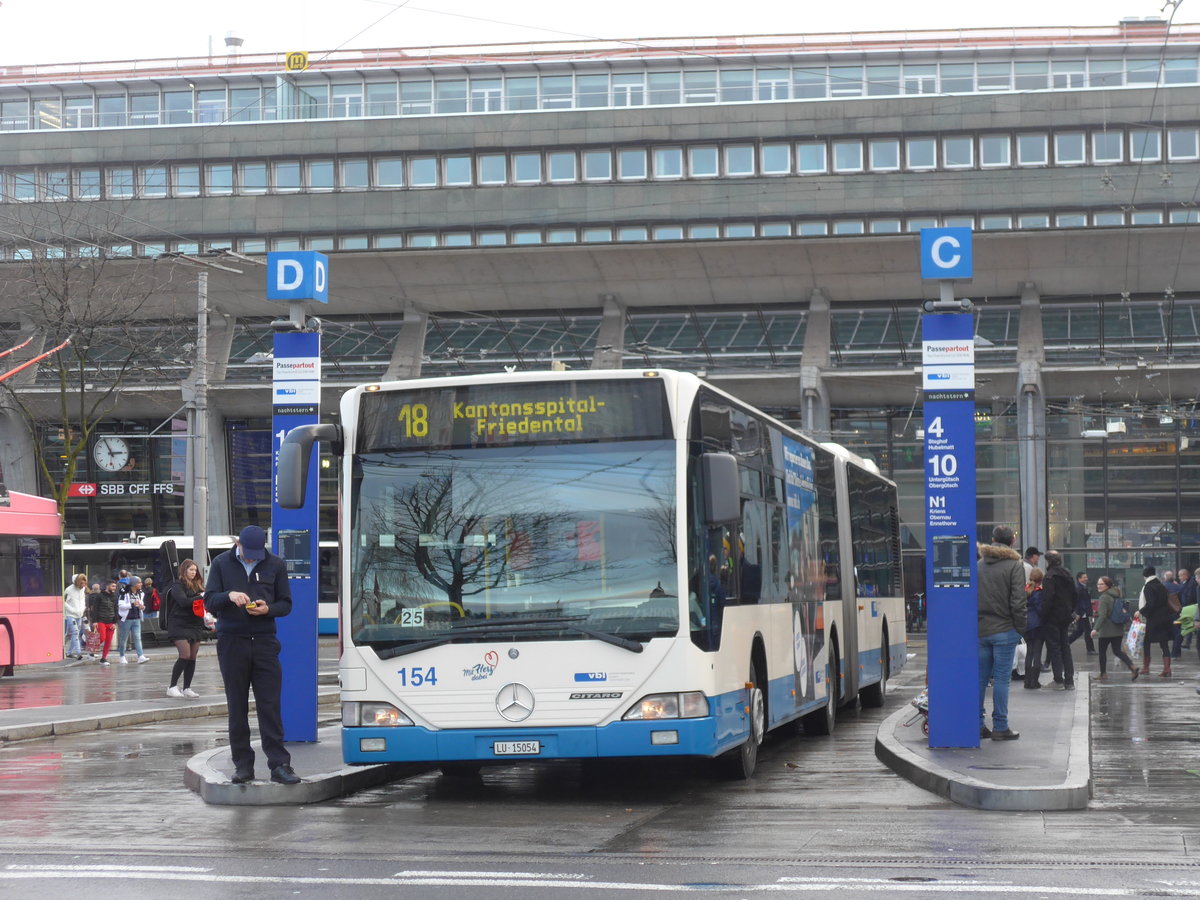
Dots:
pixel 1133 639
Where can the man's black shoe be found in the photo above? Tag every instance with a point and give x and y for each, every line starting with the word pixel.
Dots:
pixel 1006 735
pixel 242 776
pixel 284 775
pixel 984 732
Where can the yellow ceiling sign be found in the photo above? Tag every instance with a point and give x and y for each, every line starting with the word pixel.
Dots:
pixel 297 61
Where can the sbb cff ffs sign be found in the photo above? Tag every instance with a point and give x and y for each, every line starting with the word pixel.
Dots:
pixel 298 275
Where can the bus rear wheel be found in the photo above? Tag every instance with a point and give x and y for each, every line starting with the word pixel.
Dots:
pixel 822 721
pixel 739 764
pixel 872 696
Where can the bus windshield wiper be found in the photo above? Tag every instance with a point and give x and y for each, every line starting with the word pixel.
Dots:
pixel 405 649
pixel 568 623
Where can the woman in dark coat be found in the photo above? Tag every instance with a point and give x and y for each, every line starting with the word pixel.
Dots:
pixel 1159 618
pixel 184 608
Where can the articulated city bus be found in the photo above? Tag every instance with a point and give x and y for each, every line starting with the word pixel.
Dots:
pixel 598 564
pixel 31 583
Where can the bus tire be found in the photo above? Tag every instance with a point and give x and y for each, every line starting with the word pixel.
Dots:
pixel 822 721
pixel 872 696
pixel 739 763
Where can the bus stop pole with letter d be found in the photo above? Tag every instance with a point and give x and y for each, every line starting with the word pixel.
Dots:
pixel 297 277
pixel 951 570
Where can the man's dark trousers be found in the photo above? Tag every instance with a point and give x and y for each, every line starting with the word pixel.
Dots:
pixel 247 661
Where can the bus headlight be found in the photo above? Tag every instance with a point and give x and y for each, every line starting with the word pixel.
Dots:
pixel 356 714
pixel 688 705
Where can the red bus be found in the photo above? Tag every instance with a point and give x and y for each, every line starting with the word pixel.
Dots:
pixel 31 584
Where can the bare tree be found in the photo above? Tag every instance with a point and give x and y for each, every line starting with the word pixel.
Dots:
pixel 72 275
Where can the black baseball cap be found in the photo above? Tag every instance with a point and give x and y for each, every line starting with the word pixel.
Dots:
pixel 253 541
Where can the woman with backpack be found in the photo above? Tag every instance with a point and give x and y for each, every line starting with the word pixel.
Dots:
pixel 1110 626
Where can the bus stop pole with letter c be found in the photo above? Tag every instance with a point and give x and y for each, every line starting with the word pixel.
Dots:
pixel 297 277
pixel 951 569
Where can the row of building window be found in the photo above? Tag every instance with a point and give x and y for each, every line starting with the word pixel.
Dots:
pixel 386 94
pixel 700 161
pixel 425 239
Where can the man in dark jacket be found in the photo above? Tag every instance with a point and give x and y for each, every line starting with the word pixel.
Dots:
pixel 1002 621
pixel 247 590
pixel 1058 610
pixel 1081 625
pixel 102 615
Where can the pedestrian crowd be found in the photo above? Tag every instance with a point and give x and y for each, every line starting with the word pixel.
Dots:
pixel 1032 601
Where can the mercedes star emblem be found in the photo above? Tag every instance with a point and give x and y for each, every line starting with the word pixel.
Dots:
pixel 515 702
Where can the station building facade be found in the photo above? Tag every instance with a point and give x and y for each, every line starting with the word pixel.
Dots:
pixel 743 207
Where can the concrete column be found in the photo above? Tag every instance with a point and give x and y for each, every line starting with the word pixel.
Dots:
pixel 814 407
pixel 1031 420
pixel 221 327
pixel 18 450
pixel 409 351
pixel 610 342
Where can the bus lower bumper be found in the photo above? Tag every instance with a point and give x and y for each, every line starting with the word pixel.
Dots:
pixel 668 737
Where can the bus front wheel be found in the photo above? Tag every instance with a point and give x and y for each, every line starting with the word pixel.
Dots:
pixel 739 763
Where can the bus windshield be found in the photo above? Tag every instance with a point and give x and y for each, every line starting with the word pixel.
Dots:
pixel 519 542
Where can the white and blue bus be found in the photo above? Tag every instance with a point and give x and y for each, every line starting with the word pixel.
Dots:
pixel 581 565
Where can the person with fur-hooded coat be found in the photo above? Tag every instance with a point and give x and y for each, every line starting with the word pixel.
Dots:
pixel 1002 621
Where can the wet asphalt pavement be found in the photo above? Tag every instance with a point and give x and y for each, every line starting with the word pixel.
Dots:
pixel 821 818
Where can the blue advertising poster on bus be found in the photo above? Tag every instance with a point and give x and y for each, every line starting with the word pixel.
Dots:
pixel 806 571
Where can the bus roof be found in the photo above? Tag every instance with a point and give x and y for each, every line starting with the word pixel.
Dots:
pixel 28 514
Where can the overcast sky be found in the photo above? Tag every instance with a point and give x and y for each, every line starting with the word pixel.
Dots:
pixel 57 31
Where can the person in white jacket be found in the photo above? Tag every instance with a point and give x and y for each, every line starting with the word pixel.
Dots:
pixel 74 606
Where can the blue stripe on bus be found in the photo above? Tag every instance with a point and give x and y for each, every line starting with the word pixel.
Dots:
pixel 327 626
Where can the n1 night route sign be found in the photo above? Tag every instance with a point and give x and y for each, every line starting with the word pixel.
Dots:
pixel 948 381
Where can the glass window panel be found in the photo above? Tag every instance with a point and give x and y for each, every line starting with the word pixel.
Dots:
pixel 1034 220
pixel 1106 72
pixel 154 181
pixel 668 233
pixel 318 243
pixel 557 92
pixel 1032 76
pixel 252 177
pixel 113 111
pixel 389 241
pixel 739 230
pixel 994 150
pixel 885 226
pixel 450 96
pixel 916 224
pixel 995 223
pixel 994 76
pixel 120 182
pixel 810 158
pixel 883 81
pixel 597 235
pixel 810 82
pixel 773 84
pixel 520 93
pixel 632 233
pixel 1184 216
pixel 704 232
pixel 775 229
pixel 591 90
pixel 492 168
pixel 1102 219
pixel 562 166
pixel 56 184
pixel 1067 73
pixel 959 221
pixel 456 170
pixel 1069 148
pixel 776 159
pixel 177 107
pixel 847 156
pixel 218 179
pixel 810 229
pixel 143 109
pixel 631 163
pixel 663 87
pixel 1145 145
pixel 597 165
pixel 737 85
pixel 355 173
pixel 739 159
pixel 353 243
pixel 1180 71
pixel 422 241
pixel 702 162
pixel 700 87
pixel 286 175
pixel 1141 71
pixel 668 162
pixel 1182 143
pixel 920 79
pixel 491 238
pixel 1106 146
pixel 423 171
pixel 848 226
pixel 885 155
pixel 382 99
pixel 185 181
pixel 320 175
pixel 14 115
pixel 527 236
pixel 561 236
pixel 245 105
pixel 845 81
pixel 87 184
pixel 416 98
pixel 456 239
pixel 1146 217
pixel 389 171
pixel 958 152
pixel 1071 220
pixel 958 78
pixel 487 95
pixel 921 153
pixel 1032 150
pixel 527 167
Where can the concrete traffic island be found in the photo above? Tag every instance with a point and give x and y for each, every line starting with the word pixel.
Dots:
pixel 1049 768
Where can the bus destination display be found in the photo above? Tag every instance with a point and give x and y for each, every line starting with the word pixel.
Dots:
pixel 481 415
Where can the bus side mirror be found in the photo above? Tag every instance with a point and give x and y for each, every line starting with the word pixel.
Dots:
pixel 295 454
pixel 722 493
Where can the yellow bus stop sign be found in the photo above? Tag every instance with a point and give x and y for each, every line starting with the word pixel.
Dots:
pixel 297 61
